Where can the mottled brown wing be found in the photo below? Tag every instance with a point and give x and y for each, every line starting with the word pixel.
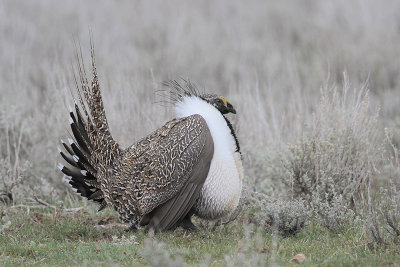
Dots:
pixel 161 167
pixel 168 214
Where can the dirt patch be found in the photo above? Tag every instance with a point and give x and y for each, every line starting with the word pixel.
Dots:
pixel 81 216
pixel 37 217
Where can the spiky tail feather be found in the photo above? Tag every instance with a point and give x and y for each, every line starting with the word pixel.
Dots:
pixel 92 150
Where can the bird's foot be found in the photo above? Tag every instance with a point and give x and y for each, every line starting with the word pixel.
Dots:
pixel 188 225
pixel 132 228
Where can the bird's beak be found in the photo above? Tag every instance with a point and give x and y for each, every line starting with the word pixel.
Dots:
pixel 230 108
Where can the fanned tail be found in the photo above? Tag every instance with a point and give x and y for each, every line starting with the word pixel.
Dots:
pixel 92 151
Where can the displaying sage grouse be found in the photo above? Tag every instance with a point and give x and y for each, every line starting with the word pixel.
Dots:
pixel 191 165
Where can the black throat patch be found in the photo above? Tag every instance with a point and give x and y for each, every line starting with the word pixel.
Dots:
pixel 233 134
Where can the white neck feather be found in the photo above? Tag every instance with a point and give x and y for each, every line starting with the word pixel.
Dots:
pixel 221 190
pixel 222 137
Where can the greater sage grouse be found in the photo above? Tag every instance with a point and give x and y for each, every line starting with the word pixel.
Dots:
pixel 191 165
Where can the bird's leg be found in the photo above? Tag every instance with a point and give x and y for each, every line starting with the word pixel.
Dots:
pixel 132 228
pixel 186 222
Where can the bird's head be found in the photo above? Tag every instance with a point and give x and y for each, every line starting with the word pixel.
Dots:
pixel 187 89
pixel 219 102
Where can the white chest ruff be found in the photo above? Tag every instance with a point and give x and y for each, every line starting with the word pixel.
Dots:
pixel 222 189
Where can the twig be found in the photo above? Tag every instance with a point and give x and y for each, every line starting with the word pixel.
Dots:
pixel 40 201
pixel 27 207
pixel 72 210
pixel 5 226
pixel 111 225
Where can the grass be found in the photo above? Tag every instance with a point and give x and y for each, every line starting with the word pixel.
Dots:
pixel 44 237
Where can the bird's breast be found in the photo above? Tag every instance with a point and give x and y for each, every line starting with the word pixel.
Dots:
pixel 222 189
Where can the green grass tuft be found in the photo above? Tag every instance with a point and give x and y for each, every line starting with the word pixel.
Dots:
pixel 48 238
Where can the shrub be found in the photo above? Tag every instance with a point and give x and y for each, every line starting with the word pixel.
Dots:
pixel 338 154
pixel 157 254
pixel 390 204
pixel 335 215
pixel 382 216
pixel 391 210
pixel 287 217
pixel 13 153
pixel 251 250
